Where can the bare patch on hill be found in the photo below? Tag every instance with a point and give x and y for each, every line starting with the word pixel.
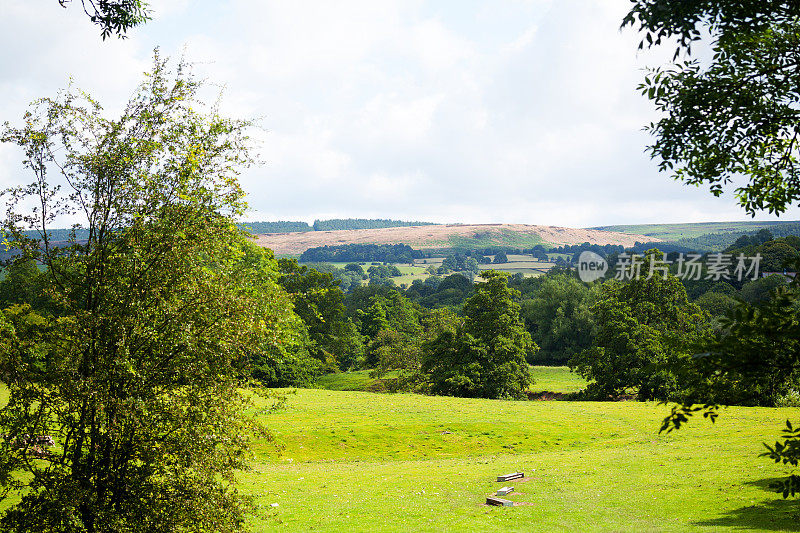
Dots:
pixel 445 235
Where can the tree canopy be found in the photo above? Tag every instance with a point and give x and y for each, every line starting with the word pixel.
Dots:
pixel 136 374
pixel 115 17
pixel 737 114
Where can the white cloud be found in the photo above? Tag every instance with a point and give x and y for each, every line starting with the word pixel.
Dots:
pixel 512 111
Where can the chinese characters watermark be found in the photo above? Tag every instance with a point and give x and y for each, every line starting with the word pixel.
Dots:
pixel 718 266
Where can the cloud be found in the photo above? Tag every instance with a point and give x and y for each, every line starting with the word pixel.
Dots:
pixel 514 111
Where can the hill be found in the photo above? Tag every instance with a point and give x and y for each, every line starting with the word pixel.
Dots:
pixel 706 236
pixel 447 236
pixel 674 232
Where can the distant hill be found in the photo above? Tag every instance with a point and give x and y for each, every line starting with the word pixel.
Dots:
pixel 454 236
pixel 706 236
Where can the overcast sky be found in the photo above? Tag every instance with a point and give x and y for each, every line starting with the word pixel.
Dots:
pixel 461 111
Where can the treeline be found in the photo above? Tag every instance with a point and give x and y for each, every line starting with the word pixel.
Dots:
pixel 357 253
pixel 448 335
pixel 288 226
pixel 282 226
pixel 363 223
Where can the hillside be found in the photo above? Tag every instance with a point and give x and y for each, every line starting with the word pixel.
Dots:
pixel 674 232
pixel 447 236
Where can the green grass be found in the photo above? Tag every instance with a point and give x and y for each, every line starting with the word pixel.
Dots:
pixel 355 461
pixel 352 381
pixel 546 378
pixel 556 379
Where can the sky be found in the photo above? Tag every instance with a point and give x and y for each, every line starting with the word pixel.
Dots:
pixel 510 111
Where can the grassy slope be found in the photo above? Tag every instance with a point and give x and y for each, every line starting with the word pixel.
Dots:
pixel 358 461
pixel 546 378
pixel 672 232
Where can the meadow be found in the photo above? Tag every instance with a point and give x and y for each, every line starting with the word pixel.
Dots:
pixel 359 461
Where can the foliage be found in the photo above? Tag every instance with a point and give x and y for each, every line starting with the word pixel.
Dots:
pixel 760 290
pixel 486 354
pixel 737 114
pixel 114 16
pixel 435 293
pixel 458 262
pixel 787 453
pixel 558 317
pixel 23 283
pixel 645 328
pixel 500 257
pixel 319 302
pixel 355 253
pixel 137 379
pixel 757 358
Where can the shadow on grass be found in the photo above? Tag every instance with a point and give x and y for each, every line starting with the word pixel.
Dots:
pixel 773 514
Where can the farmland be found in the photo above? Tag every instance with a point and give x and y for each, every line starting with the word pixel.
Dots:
pixel 674 232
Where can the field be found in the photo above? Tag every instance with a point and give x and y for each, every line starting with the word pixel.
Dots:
pixel 358 461
pixel 674 232
pixel 524 264
pixel 461 236
pixel 546 378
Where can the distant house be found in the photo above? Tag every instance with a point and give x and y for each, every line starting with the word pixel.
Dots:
pixel 785 274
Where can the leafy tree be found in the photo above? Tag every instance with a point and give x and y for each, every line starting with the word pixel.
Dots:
pixel 645 328
pixel 733 116
pixel 486 354
pixel 777 256
pixel 160 317
pixel 114 16
pixel 760 290
pixel 737 113
pixel 23 283
pixel 717 304
pixel 500 257
pixel 319 302
pixel 559 319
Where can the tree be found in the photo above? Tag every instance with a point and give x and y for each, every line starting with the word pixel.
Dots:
pixel 645 328
pixel 23 284
pixel 557 315
pixel 114 16
pixel 319 302
pixel 733 116
pixel 737 114
pixel 139 375
pixel 486 354
pixel 500 257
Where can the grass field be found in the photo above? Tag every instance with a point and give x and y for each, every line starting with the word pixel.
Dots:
pixel 546 378
pixel 358 461
pixel 555 379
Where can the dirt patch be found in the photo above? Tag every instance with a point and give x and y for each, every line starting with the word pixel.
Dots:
pixel 547 396
pixel 439 236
